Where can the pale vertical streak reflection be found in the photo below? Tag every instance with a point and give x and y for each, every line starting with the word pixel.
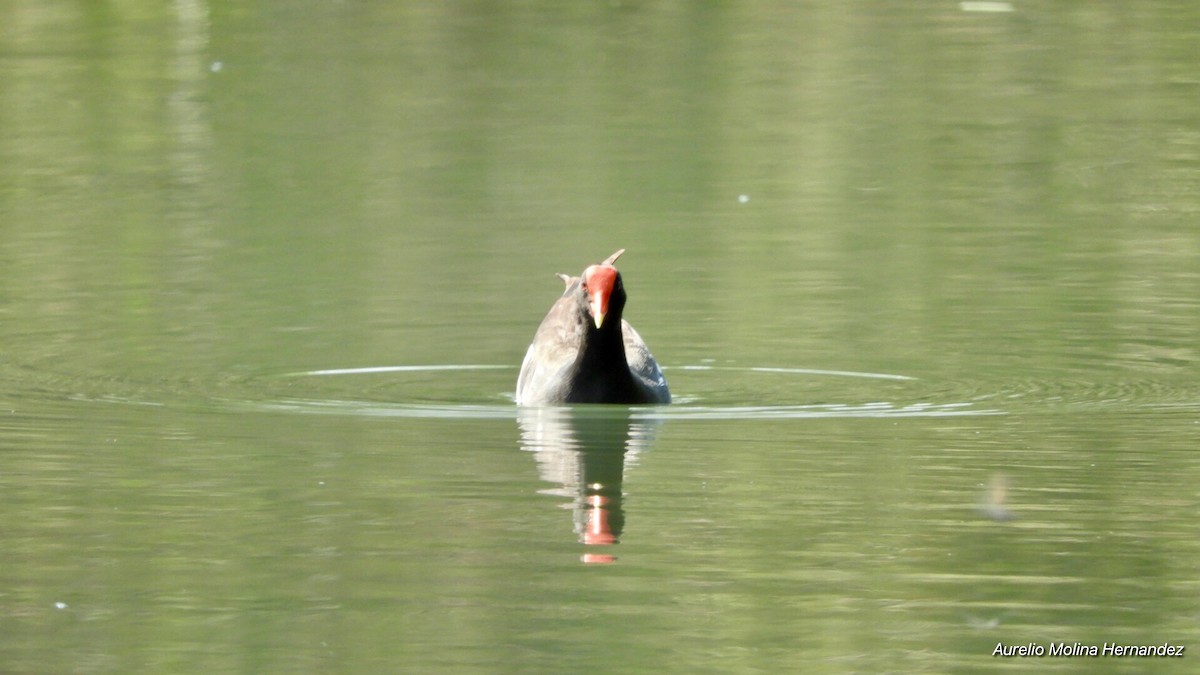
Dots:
pixel 193 194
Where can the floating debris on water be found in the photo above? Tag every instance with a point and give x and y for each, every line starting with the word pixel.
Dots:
pixel 994 503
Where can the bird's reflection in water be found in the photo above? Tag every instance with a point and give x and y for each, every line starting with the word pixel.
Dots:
pixel 584 452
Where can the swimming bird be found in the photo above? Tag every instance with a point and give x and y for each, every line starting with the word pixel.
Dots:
pixel 585 352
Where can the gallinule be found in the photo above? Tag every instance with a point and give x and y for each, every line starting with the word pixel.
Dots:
pixel 584 352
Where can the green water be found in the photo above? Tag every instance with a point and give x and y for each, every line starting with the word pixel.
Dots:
pixel 924 282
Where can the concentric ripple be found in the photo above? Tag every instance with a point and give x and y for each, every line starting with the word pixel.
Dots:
pixel 674 412
pixel 686 407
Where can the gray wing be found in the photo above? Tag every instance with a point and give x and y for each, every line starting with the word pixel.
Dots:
pixel 644 368
pixel 538 383
pixel 555 346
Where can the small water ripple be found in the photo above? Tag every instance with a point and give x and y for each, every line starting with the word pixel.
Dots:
pixel 802 371
pixel 1115 394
